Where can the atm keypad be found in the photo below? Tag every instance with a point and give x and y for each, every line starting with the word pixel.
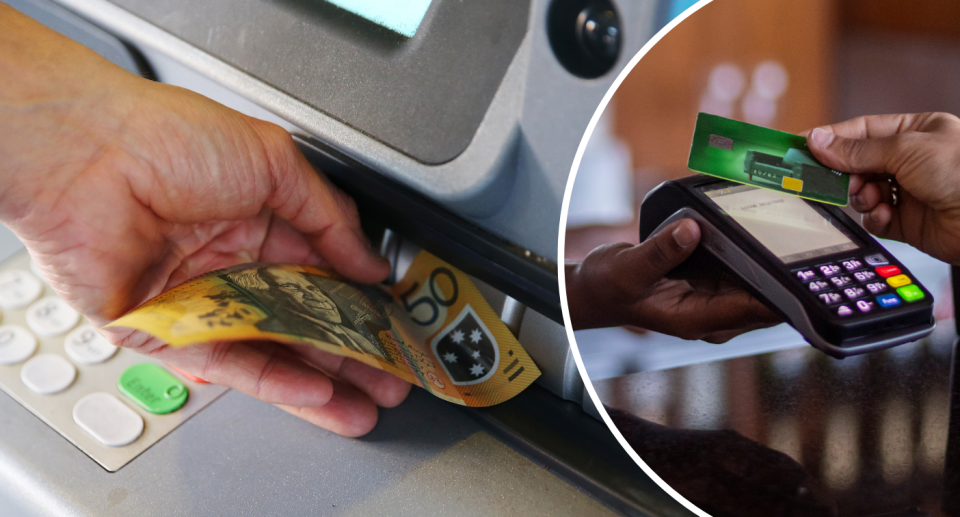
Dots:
pixel 860 285
pixel 56 365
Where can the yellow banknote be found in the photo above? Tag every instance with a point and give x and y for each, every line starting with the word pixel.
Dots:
pixel 432 328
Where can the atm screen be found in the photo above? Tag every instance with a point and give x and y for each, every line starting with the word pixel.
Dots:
pixel 788 226
pixel 401 16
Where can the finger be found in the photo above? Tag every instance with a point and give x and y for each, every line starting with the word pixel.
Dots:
pixel 699 315
pixel 855 155
pixel 323 213
pixel 349 412
pixel 650 260
pixel 867 199
pixel 384 388
pixel 874 126
pixel 879 222
pixel 857 181
pixel 283 243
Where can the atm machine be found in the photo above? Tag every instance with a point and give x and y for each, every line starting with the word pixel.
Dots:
pixel 457 139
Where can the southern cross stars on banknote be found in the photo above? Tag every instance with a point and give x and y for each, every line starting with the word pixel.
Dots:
pixel 432 328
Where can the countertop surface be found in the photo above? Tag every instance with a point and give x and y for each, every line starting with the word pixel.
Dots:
pixel 796 432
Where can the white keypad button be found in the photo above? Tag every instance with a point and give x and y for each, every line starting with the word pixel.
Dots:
pixel 48 373
pixel 85 346
pixel 51 316
pixel 18 289
pixel 107 419
pixel 16 344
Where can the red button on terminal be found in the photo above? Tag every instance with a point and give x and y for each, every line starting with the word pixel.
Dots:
pixel 886 271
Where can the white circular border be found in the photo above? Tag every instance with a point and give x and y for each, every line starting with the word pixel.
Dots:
pixel 561 241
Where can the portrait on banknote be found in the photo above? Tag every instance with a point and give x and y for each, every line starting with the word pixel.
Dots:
pixel 312 306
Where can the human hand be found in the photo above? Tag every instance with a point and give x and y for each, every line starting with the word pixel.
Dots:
pixel 920 151
pixel 623 284
pixel 122 188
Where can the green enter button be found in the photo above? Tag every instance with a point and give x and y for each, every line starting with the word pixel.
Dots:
pixel 152 388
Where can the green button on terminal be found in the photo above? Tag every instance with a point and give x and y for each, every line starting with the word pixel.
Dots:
pixel 910 293
pixel 153 388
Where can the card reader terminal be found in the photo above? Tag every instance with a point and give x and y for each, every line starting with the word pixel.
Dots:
pixel 809 262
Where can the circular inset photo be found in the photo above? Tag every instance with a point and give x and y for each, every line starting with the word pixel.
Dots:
pixel 758 240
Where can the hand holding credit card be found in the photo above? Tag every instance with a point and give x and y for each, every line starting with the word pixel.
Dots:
pixel 766 158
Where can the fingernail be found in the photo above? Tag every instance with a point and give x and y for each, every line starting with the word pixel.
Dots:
pixel 821 137
pixel 856 199
pixel 684 235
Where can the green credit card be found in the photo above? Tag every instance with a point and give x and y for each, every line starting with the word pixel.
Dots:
pixel 764 157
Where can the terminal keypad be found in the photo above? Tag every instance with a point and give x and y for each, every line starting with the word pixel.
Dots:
pixel 859 285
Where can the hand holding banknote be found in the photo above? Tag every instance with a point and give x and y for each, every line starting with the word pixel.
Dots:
pixel 122 188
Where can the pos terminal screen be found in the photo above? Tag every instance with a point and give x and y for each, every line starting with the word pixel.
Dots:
pixel 788 226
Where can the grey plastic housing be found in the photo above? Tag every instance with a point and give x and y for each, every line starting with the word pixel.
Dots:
pixel 511 177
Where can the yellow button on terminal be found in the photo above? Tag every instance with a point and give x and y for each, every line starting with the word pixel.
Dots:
pixel 899 281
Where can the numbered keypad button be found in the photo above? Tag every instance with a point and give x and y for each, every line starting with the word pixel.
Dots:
pixel 806 274
pixel 876 287
pixel 830 298
pixel 830 269
pixel 866 306
pixel 18 288
pixel 818 285
pixel 864 276
pixel 853 293
pixel 841 281
pixel 843 311
pixel 107 419
pixel 16 344
pixel 85 346
pixel 48 373
pixel 51 316
pixel 851 264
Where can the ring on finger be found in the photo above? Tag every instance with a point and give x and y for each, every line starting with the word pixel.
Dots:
pixel 894 192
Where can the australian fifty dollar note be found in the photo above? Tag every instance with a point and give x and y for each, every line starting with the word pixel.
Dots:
pixel 433 328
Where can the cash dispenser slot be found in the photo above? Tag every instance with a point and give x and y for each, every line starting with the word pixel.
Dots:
pixel 383 203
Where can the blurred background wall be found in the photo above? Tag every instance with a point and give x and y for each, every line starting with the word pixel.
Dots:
pixel 787 64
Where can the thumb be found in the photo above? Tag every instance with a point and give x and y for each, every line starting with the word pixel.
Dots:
pixel 854 155
pixel 656 256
